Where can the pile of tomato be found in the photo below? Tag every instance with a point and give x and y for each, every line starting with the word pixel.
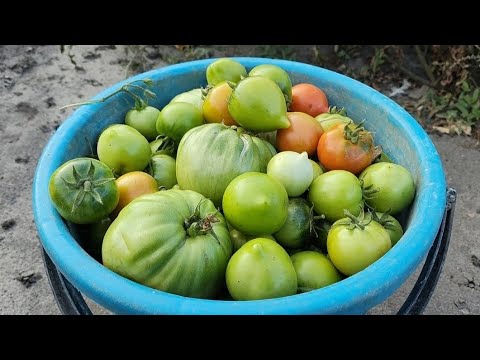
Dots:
pixel 250 188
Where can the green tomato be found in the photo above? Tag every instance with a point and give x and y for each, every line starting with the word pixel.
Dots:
pixel 296 230
pixel 393 227
pixel 193 97
pixel 317 170
pixel 90 237
pixel 260 269
pixel 144 120
pixel 352 250
pixel 258 104
pixel 225 70
pixel 177 118
pixel 123 149
pixel 333 192
pixel 162 168
pixel 277 74
pixel 332 118
pixel 172 240
pixel 239 239
pixel 255 203
pixel 293 170
pixel 314 270
pixel 83 190
pixel 394 185
pixel 210 156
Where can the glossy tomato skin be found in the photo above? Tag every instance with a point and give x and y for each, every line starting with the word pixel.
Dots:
pixel 335 152
pixel 162 168
pixel 310 99
pixel 296 230
pixel 156 242
pixel 255 203
pixel 144 120
pixel 302 135
pixel 83 190
pixel 177 118
pixel 260 269
pixel 225 70
pixel 352 250
pixel 333 192
pixel 314 270
pixel 123 149
pixel 215 105
pixel 277 74
pixel 210 156
pixel 194 97
pixel 395 185
pixel 258 104
pixel 132 185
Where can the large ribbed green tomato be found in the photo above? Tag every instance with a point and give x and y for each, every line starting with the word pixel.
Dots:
pixel 255 203
pixel 173 240
pixel 260 269
pixel 210 156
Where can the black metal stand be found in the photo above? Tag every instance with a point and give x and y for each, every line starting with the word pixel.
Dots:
pixel 71 302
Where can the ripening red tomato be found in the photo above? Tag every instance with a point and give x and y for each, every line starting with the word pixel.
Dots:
pixel 309 99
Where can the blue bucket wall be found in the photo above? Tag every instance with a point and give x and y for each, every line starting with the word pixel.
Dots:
pixel 399 134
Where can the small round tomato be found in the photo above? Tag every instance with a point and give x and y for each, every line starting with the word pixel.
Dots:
pixel 302 135
pixel 317 170
pixel 296 230
pixel 392 185
pixel 163 169
pixel 260 269
pixel 144 120
pixel 239 239
pixel 215 106
pixel 258 104
pixel 177 118
pixel 352 246
pixel 225 70
pixel 133 185
pixel 293 170
pixel 123 149
pixel 333 192
pixel 393 227
pixel 194 97
pixel 314 271
pixel 277 74
pixel 83 190
pixel 255 203
pixel 347 148
pixel 309 99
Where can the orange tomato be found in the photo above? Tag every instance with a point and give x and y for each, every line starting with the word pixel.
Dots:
pixel 302 135
pixel 309 99
pixel 215 106
pixel 337 152
pixel 132 185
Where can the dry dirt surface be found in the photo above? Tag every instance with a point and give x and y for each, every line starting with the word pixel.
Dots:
pixel 35 81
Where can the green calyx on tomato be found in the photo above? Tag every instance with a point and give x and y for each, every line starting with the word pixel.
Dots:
pixel 83 190
pixel 258 104
pixel 333 117
pixel 163 145
pixel 393 227
pixel 354 243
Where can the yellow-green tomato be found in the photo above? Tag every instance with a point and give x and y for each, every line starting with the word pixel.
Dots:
pixel 177 118
pixel 277 74
pixel 317 170
pixel 123 149
pixel 258 104
pixel 293 170
pixel 193 97
pixel 163 169
pixel 260 269
pixel 255 203
pixel 144 120
pixel 314 270
pixel 225 70
pixel 352 250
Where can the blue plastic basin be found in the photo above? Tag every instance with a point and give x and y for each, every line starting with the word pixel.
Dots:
pixel 399 134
